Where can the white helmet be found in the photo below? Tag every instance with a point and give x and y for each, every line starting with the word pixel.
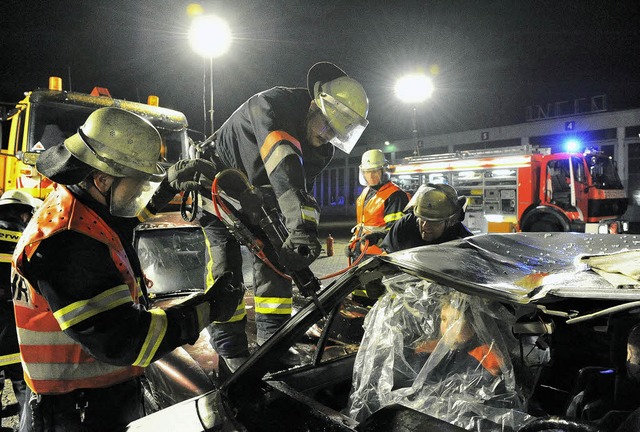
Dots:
pixel 18 197
pixel 343 103
pixel 373 160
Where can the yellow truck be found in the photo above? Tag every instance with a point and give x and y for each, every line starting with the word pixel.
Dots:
pixel 45 117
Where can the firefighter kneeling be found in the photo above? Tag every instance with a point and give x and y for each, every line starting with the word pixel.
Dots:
pixel 85 332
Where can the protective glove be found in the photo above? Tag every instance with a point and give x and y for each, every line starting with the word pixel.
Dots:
pixel 374 238
pixel 218 303
pixel 192 175
pixel 299 250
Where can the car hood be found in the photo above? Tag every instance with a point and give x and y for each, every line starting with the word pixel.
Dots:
pixel 532 267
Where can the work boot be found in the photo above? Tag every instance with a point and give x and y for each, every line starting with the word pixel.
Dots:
pixel 291 357
pixel 234 363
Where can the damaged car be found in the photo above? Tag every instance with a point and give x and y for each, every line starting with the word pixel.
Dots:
pixel 499 332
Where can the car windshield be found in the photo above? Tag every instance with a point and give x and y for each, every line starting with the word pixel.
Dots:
pixel 172 259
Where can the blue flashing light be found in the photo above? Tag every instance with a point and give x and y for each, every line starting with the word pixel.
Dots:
pixel 572 145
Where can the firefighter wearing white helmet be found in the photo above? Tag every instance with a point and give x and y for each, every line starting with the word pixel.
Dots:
pixel 84 328
pixel 434 216
pixel 281 138
pixel 16 208
pixel 378 207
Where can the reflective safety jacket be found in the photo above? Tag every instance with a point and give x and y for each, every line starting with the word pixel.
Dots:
pixel 9 352
pixel 53 361
pixel 377 209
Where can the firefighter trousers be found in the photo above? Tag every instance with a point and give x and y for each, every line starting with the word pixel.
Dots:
pixel 272 292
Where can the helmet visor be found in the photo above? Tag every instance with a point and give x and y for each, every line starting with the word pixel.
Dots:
pixel 347 124
pixel 130 195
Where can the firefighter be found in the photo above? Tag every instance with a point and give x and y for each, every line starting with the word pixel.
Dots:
pixel 83 324
pixel 378 207
pixel 436 216
pixel 281 138
pixel 16 209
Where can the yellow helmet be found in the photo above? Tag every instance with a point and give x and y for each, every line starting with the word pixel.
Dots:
pixel 342 101
pixel 437 202
pixel 119 143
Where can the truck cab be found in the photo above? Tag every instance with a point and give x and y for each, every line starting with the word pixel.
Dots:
pixel 46 117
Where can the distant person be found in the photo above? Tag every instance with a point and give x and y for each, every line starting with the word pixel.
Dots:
pixel 16 209
pixel 435 215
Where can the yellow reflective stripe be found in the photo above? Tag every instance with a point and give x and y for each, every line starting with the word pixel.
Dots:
pixel 310 214
pixel 282 151
pixel 10 359
pixel 84 309
pixel 5 258
pixel 239 314
pixel 209 279
pixel 65 371
pixel 393 217
pixel 10 236
pixel 157 330
pixel 273 305
pixel 361 293
pixel 145 214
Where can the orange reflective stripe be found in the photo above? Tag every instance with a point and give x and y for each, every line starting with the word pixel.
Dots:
pixel 274 138
pixel 487 358
pixel 55 354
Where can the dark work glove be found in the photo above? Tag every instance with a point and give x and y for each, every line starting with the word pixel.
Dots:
pixel 223 298
pixel 374 238
pixel 299 250
pixel 192 175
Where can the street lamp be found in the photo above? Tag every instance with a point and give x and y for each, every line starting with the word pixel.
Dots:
pixel 414 89
pixel 210 37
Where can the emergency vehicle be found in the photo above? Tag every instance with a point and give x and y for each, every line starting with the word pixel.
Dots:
pixel 526 188
pixel 45 117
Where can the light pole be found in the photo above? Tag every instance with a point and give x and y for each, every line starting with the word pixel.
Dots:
pixel 209 37
pixel 414 89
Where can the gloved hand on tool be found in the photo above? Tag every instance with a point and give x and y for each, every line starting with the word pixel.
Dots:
pixel 192 175
pixel 299 250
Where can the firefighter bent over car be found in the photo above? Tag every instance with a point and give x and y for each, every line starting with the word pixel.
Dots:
pixel 84 331
pixel 281 138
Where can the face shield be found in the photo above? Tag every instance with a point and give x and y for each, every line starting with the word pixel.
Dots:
pixel 130 195
pixel 346 124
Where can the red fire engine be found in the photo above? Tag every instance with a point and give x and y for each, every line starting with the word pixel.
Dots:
pixel 526 188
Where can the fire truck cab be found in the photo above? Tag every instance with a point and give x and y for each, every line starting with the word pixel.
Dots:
pixel 526 188
pixel 45 117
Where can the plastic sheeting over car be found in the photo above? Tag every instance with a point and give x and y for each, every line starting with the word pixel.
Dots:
pixel 528 267
pixel 441 352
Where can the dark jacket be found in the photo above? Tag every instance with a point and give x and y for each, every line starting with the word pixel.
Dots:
pixel 405 234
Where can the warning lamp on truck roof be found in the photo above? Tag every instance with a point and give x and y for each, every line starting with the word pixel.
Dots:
pixel 55 83
pixel 153 100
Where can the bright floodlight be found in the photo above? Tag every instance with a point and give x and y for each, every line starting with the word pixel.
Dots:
pixel 414 88
pixel 209 36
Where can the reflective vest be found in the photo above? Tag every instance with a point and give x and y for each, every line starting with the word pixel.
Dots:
pixel 8 238
pixel 52 361
pixel 370 215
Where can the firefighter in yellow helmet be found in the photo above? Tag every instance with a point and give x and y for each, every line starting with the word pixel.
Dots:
pixel 434 216
pixel 83 324
pixel 281 138
pixel 16 208
pixel 378 207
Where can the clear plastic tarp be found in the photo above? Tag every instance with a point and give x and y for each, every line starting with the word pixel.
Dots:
pixel 441 352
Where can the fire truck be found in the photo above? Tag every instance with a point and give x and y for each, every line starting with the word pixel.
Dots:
pixel 526 188
pixel 45 117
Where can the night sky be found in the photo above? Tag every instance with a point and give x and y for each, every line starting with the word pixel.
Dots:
pixel 492 58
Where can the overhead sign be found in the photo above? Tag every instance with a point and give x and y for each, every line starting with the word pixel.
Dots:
pixel 570 126
pixel 484 136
